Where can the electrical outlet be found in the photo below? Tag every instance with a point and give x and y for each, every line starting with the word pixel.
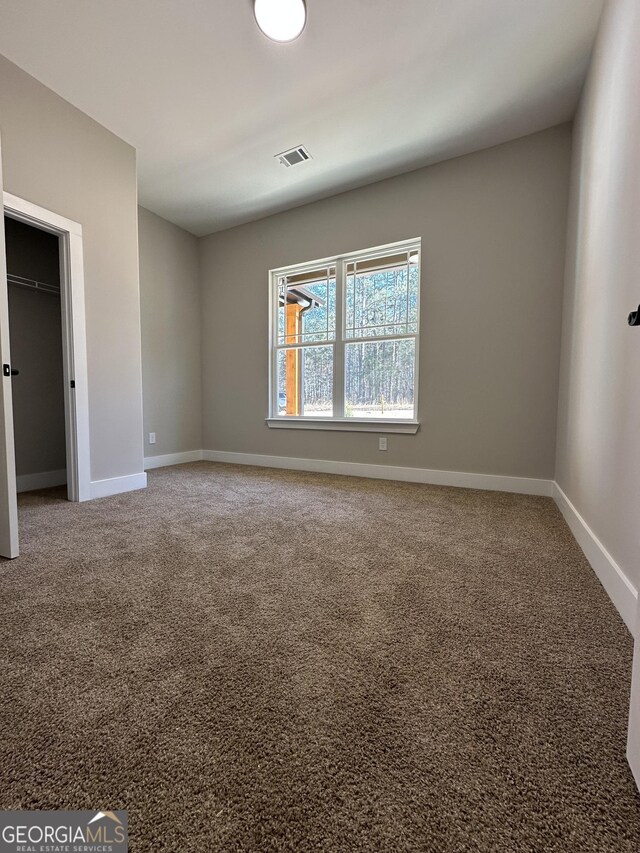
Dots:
pixel 152 438
pixel 382 442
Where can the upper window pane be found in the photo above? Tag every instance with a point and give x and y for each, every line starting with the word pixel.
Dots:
pixel 307 307
pixel 381 296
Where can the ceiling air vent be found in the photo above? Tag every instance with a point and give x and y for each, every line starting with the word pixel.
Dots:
pixel 293 156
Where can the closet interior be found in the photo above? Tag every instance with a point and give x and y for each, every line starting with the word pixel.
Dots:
pixel 35 333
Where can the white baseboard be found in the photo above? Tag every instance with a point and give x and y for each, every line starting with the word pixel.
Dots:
pixel 492 482
pixel 172 459
pixel 619 588
pixel 117 485
pixel 42 480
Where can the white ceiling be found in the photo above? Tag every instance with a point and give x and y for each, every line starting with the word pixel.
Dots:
pixel 372 88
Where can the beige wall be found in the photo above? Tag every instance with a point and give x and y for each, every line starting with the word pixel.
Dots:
pixel 493 235
pixel 171 358
pixel 598 459
pixel 35 331
pixel 57 157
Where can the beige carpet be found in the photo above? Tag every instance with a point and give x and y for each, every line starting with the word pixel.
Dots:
pixel 257 660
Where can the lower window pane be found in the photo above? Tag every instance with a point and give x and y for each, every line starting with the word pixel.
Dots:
pixel 305 382
pixel 379 379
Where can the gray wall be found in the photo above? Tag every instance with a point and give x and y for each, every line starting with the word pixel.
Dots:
pixel 493 227
pixel 171 357
pixel 598 460
pixel 57 157
pixel 35 331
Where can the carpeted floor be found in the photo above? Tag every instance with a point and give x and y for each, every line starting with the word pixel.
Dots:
pixel 258 660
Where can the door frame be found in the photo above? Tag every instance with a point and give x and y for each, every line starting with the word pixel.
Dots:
pixel 74 337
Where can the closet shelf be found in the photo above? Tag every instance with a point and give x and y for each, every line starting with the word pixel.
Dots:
pixel 31 284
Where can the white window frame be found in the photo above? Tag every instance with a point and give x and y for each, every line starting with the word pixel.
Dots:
pixel 338 421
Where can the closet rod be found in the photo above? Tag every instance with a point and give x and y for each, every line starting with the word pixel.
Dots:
pixel 31 284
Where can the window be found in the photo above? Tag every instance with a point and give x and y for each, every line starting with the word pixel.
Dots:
pixel 344 341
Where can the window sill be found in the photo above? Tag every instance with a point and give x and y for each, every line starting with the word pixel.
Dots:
pixel 345 424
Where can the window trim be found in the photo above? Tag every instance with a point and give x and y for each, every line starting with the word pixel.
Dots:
pixel 339 421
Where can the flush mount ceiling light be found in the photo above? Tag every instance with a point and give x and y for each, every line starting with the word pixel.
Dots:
pixel 280 20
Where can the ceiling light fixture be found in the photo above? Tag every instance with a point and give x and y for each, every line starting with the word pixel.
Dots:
pixel 280 20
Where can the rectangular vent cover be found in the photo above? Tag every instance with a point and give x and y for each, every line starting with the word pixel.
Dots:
pixel 293 156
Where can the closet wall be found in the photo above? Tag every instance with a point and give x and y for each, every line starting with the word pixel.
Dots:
pixel 36 351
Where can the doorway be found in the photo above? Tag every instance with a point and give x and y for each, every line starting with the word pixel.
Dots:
pixel 67 234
